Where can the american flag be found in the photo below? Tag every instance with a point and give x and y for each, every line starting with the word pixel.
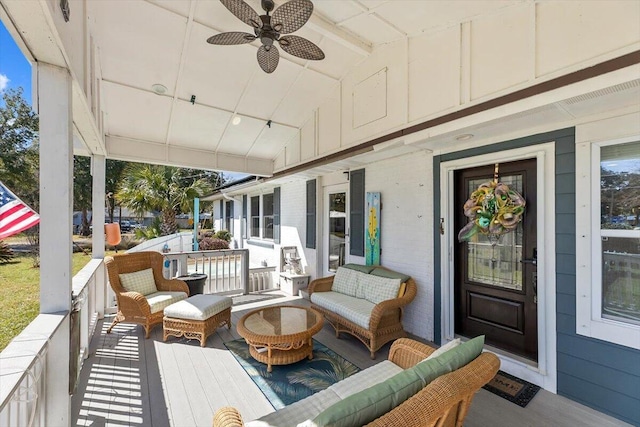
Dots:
pixel 15 216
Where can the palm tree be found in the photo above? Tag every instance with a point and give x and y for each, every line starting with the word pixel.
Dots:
pixel 159 188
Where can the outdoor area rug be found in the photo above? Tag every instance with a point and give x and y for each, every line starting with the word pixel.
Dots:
pixel 289 383
pixel 512 388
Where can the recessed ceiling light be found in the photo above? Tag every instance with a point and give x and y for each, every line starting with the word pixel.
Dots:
pixel 464 137
pixel 159 89
pixel 236 120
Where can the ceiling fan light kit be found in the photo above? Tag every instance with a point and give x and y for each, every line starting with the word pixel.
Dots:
pixel 269 28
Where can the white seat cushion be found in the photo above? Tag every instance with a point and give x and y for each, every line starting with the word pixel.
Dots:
pixel 356 310
pixel 309 407
pixel 159 300
pixel 298 412
pixel 198 307
pixel 365 379
pixel 139 281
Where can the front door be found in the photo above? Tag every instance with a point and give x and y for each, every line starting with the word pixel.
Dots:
pixel 495 281
pixel 336 228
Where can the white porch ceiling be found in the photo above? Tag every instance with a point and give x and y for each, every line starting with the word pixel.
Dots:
pixel 139 43
pixel 142 43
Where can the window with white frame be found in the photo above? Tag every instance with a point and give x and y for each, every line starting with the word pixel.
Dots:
pixel 262 216
pixel 608 287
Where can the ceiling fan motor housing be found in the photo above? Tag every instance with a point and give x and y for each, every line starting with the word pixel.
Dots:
pixel 266 34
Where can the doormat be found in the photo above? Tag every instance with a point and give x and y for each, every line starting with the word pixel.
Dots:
pixel 512 388
pixel 289 383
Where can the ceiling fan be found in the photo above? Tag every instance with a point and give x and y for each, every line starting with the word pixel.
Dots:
pixel 286 19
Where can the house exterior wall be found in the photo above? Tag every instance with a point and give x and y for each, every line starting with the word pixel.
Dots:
pixel 480 59
pixel 596 373
pixel 406 230
pixel 293 226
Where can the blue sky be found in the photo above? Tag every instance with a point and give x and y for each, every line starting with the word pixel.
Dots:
pixel 15 70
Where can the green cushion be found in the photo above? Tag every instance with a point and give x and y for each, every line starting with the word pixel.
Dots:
pixel 457 357
pixel 390 274
pixel 363 268
pixel 365 406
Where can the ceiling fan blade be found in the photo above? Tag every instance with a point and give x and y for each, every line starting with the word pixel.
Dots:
pixel 243 12
pixel 268 59
pixel 291 16
pixel 234 37
pixel 301 47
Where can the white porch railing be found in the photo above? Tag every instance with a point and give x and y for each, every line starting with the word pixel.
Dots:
pixel 227 270
pixel 26 364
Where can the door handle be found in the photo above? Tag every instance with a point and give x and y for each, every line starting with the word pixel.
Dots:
pixel 533 260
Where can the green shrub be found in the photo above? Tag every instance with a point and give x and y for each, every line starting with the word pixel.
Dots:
pixel 6 253
pixel 150 232
pixel 212 244
pixel 223 234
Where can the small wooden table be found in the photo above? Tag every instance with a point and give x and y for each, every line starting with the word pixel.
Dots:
pixel 280 335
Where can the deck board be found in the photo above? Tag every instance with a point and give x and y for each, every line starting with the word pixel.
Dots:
pixel 132 381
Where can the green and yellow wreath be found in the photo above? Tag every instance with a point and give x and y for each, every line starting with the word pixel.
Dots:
pixel 493 209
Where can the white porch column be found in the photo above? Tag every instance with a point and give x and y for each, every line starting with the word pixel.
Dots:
pixel 56 211
pixel 98 172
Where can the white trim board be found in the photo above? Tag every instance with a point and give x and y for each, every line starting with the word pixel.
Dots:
pixel 543 373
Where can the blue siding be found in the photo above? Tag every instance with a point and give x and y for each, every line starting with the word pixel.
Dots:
pixel 595 373
pixel 598 374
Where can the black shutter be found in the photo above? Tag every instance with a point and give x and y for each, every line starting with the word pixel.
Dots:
pixel 231 221
pixel 244 224
pixel 276 215
pixel 356 212
pixel 222 214
pixel 311 214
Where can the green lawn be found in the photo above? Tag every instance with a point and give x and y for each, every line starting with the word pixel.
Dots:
pixel 20 294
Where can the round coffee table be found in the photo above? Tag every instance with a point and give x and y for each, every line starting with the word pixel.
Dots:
pixel 280 335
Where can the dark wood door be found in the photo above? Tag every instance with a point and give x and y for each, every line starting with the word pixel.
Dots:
pixel 495 282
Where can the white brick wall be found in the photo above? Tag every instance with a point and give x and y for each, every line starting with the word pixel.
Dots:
pixel 406 186
pixel 406 235
pixel 294 223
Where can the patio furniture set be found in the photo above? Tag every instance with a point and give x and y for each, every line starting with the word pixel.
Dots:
pixel 145 297
pixel 416 386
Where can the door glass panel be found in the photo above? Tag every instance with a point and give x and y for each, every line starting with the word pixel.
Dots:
pixel 337 229
pixel 496 264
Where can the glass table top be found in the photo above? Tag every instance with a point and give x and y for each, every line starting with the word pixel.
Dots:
pixel 281 320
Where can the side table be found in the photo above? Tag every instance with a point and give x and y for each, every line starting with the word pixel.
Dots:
pixel 195 282
pixel 292 283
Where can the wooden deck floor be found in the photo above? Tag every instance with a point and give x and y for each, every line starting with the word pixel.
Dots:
pixel 132 381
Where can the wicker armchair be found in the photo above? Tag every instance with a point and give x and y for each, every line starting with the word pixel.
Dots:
pixel 385 323
pixel 133 306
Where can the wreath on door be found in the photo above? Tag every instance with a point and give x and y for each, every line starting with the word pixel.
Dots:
pixel 493 210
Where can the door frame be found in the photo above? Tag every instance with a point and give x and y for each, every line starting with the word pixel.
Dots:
pixel 544 372
pixel 326 190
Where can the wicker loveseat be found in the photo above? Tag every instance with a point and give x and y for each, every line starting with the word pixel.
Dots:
pixel 143 308
pixel 443 401
pixel 364 301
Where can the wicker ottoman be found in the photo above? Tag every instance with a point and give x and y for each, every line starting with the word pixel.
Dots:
pixel 197 317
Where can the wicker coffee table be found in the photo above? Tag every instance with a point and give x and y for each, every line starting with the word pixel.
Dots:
pixel 280 335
